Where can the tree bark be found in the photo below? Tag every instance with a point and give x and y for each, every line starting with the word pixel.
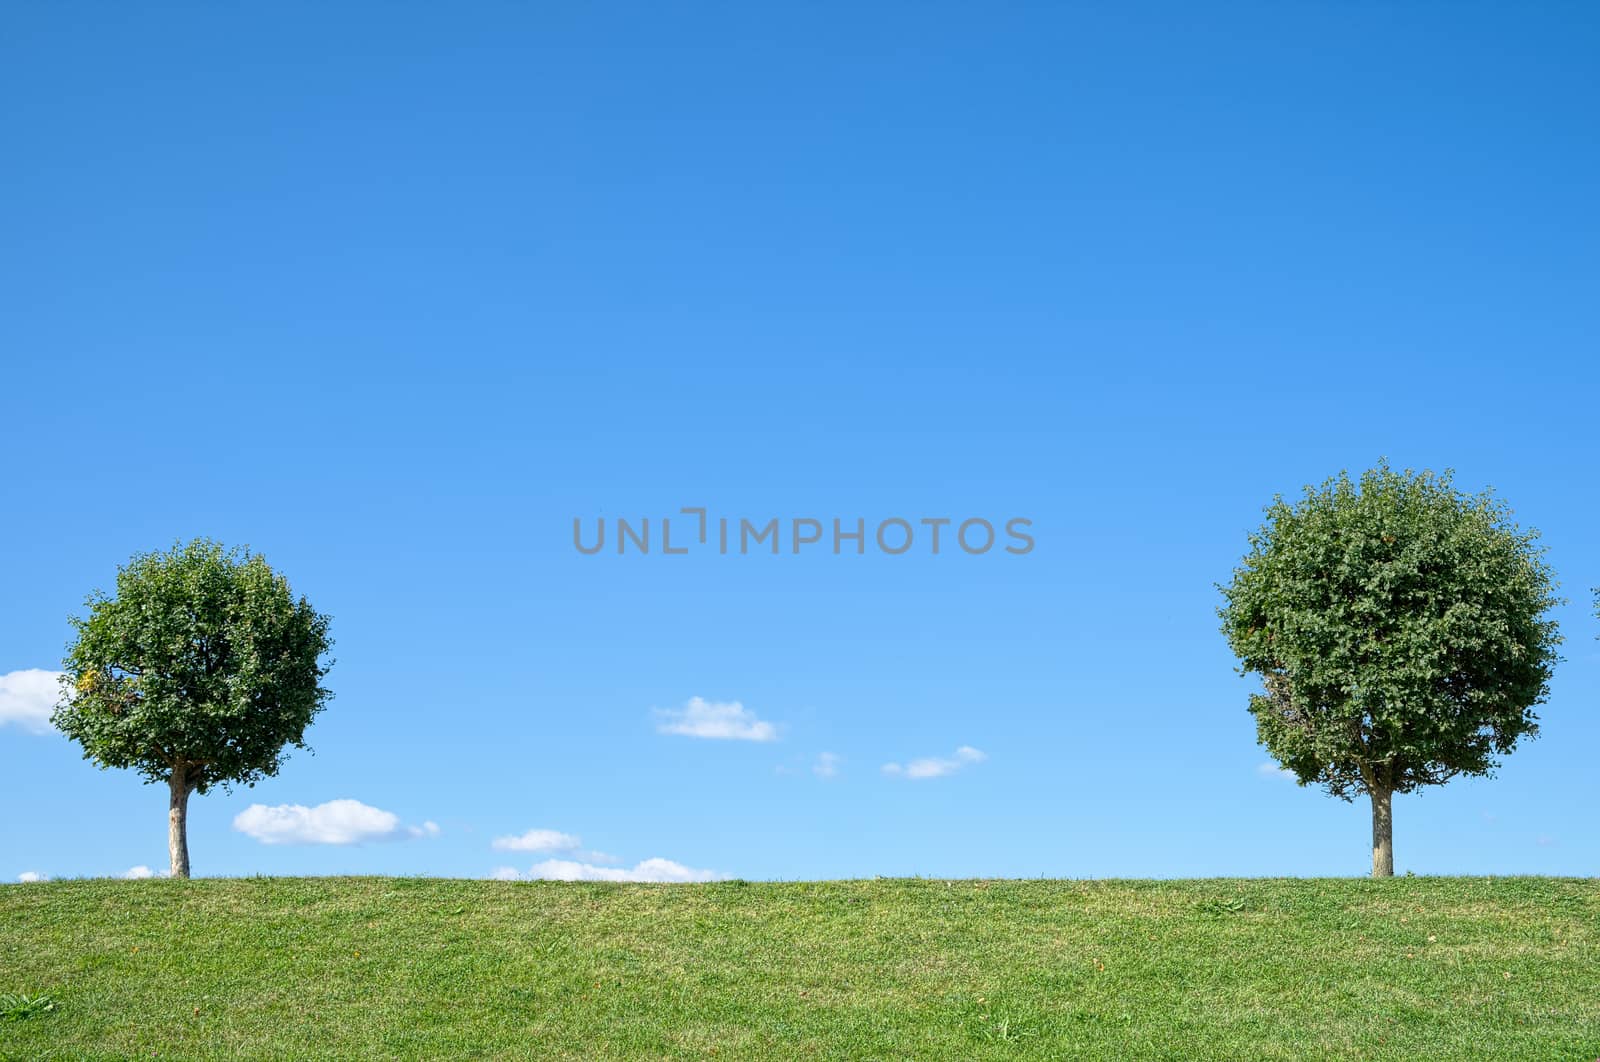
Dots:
pixel 1382 833
pixel 178 821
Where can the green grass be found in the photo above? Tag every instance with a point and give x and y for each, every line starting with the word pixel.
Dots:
pixel 419 968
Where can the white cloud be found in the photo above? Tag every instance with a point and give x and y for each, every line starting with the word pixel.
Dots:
pixel 504 874
pixel 28 877
pixel 141 872
pixel 655 870
pixel 537 841
pixel 935 766
pixel 549 841
pixel 27 698
pixel 730 721
pixel 1273 770
pixel 336 822
pixel 827 765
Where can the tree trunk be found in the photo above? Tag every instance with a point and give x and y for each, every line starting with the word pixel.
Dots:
pixel 178 821
pixel 1382 833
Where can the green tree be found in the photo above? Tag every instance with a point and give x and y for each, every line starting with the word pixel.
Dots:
pixel 200 672
pixel 1400 630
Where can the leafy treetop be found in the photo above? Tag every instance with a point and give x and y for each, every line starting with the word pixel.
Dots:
pixel 202 666
pixel 1400 630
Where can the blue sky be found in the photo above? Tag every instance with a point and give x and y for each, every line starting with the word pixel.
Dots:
pixel 393 293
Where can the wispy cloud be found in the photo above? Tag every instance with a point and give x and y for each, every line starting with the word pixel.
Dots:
pixel 651 870
pixel 827 765
pixel 537 841
pixel 1271 769
pixel 336 822
pixel 728 721
pixel 935 766
pixel 27 698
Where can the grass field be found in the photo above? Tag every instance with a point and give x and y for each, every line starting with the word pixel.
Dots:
pixel 420 968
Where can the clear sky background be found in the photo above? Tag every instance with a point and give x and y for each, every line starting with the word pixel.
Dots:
pixel 392 293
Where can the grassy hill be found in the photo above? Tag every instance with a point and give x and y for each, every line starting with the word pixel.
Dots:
pixel 420 968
